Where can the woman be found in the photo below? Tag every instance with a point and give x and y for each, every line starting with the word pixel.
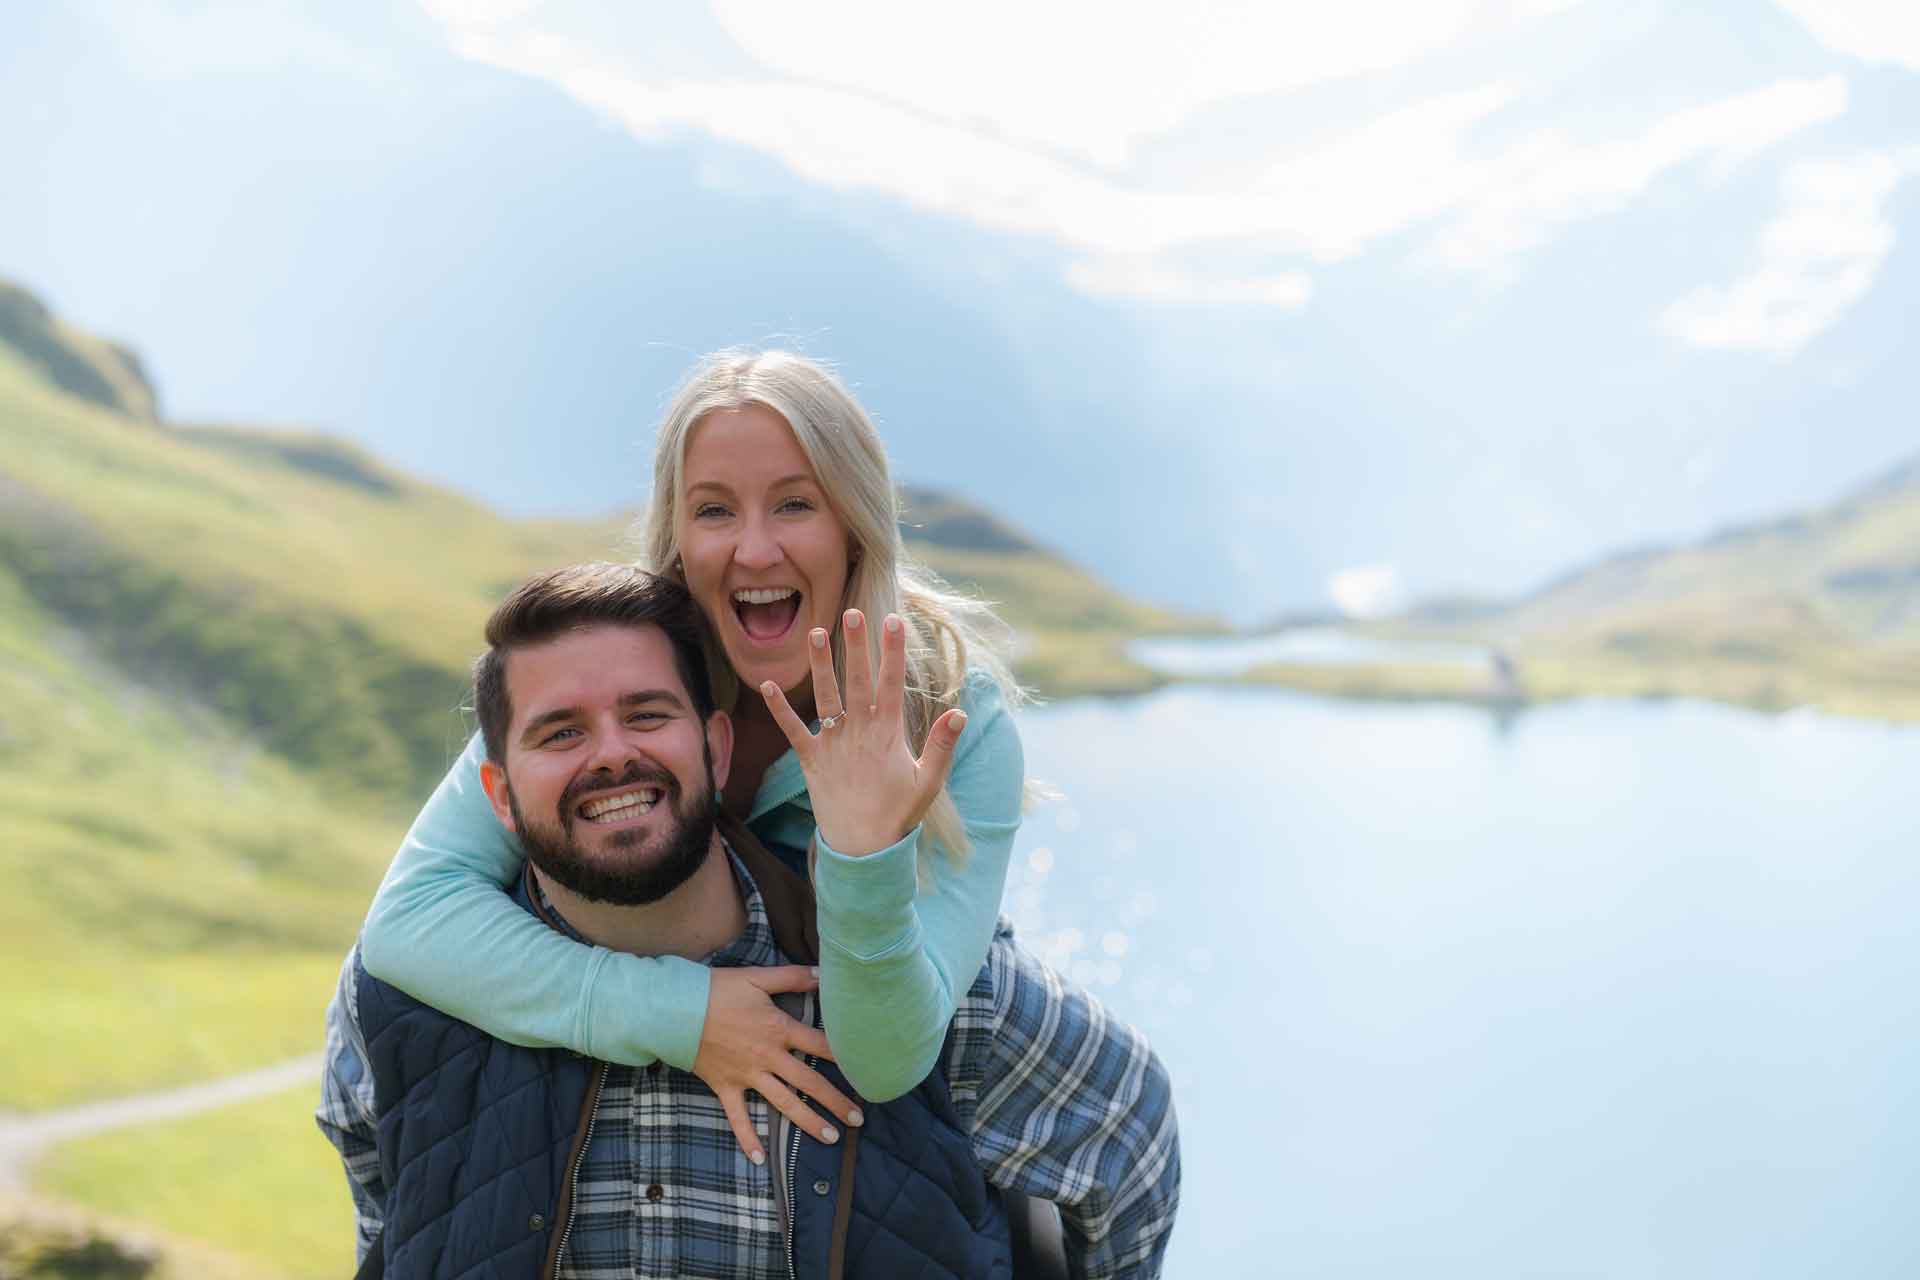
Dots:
pixel 773 503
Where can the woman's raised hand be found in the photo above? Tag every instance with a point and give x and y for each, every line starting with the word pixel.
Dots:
pixel 868 790
pixel 748 1042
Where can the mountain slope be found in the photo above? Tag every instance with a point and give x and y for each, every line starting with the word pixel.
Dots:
pixel 1820 609
pixel 102 372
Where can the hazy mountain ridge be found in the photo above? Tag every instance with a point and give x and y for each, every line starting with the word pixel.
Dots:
pixel 94 369
pixel 1820 607
pixel 1863 550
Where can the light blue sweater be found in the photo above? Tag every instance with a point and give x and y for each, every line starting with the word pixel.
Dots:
pixel 895 954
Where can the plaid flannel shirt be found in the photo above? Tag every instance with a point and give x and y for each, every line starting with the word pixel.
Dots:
pixel 1063 1101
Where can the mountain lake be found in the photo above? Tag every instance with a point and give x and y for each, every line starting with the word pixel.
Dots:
pixel 1595 989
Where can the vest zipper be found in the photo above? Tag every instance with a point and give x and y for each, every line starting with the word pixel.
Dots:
pixel 573 1174
pixel 793 1158
pixel 793 1171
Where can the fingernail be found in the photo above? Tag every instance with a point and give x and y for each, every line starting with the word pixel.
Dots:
pixel 768 688
pixel 853 618
pixel 758 1157
pixel 815 971
pixel 818 637
pixel 959 721
pixel 893 625
pixel 855 1118
pixel 829 1134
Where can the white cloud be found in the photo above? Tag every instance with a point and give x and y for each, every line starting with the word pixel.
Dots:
pixel 1365 591
pixel 478 13
pixel 1871 30
pixel 1148 280
pixel 1547 180
pixel 1818 256
pixel 1087 80
pixel 1035 135
pixel 1327 200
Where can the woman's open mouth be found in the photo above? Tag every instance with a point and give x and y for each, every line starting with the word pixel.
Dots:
pixel 766 614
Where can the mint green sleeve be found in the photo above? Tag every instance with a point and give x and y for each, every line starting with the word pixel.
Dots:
pixel 442 930
pixel 896 954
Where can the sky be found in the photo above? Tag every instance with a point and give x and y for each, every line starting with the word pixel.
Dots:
pixel 1254 308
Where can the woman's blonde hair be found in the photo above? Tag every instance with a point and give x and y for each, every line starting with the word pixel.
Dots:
pixel 948 634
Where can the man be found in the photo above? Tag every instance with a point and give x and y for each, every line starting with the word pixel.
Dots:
pixel 467 1155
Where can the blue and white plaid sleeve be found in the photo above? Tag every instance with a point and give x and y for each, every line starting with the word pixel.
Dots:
pixel 346 1113
pixel 1069 1104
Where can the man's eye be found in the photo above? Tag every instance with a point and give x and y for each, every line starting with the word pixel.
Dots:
pixel 557 735
pixel 648 717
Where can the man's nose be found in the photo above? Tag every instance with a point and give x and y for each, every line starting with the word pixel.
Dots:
pixel 614 748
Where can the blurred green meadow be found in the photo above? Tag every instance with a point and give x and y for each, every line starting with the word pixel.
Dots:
pixel 257 1179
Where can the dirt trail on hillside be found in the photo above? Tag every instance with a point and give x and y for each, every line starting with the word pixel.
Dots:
pixel 25 1135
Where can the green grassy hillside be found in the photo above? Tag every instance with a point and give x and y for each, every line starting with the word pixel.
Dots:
pixel 1820 609
pixel 208 737
pixel 103 373
pixel 1070 631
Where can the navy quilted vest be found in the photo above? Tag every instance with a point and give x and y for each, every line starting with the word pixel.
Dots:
pixel 474 1140
pixel 476 1137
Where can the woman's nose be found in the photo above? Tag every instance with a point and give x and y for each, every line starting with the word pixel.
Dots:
pixel 757 547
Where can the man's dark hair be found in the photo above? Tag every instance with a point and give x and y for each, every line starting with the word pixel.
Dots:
pixel 586 595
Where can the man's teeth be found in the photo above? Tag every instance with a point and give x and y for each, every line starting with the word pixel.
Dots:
pixel 625 805
pixel 762 595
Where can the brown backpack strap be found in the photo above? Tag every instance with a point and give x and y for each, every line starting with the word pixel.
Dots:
pixel 788 897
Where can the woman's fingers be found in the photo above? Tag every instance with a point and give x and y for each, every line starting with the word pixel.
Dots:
pixel 820 1091
pixel 936 758
pixel 789 1104
pixel 826 689
pixel 888 697
pixel 734 1103
pixel 782 977
pixel 853 625
pixel 799 737
pixel 806 1039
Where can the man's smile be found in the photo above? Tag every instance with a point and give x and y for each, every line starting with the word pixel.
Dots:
pixel 627 804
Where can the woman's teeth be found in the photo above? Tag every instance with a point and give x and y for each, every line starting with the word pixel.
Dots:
pixel 766 614
pixel 625 805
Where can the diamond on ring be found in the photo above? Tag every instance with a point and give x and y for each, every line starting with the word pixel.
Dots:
pixel 827 722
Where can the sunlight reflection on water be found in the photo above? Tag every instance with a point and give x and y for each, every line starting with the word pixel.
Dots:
pixel 1217 657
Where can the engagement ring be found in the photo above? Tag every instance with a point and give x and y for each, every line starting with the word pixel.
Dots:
pixel 827 722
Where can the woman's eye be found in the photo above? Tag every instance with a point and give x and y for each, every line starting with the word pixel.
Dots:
pixel 795 504
pixel 708 511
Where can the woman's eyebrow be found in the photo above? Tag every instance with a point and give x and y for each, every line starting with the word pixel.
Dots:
pixel 798 477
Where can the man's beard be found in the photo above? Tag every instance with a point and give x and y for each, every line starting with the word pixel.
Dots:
pixel 632 881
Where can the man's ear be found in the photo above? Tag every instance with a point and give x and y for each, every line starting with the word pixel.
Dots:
pixel 493 778
pixel 720 747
